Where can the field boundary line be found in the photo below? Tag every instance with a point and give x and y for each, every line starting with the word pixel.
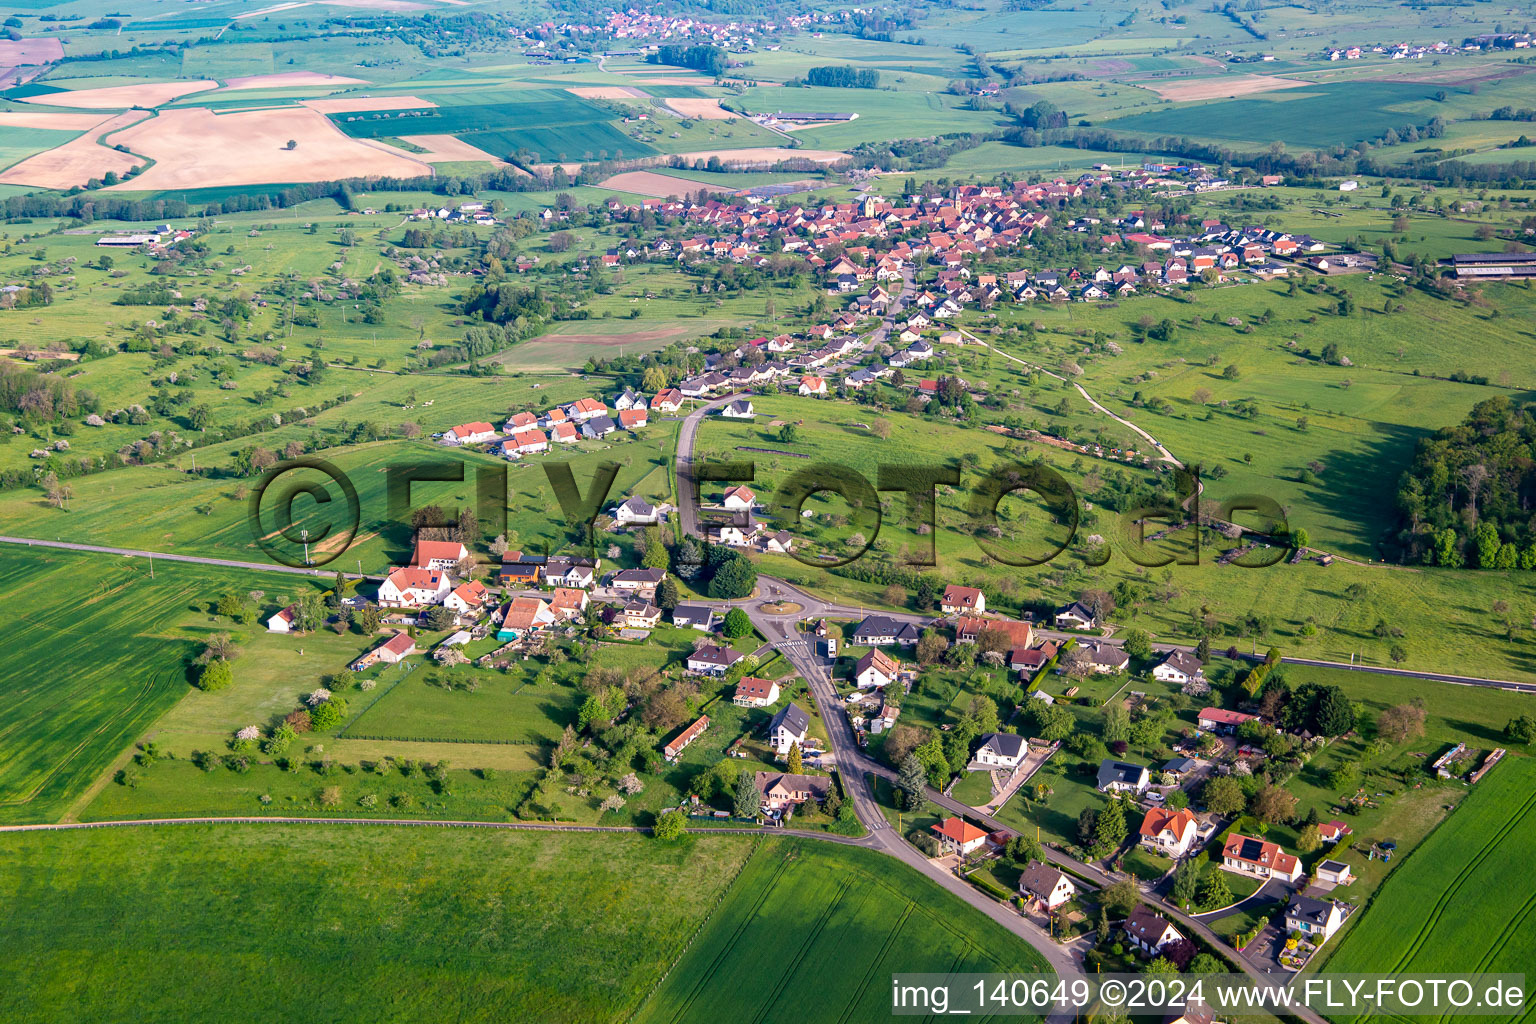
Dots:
pixel 342 732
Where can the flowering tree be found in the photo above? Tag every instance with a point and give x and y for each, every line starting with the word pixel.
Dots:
pixel 318 697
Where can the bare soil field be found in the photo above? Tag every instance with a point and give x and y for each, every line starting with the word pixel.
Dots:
pixel 349 104
pixel 30 51
pixel 48 119
pixel 649 183
pixel 121 97
pixel 78 160
pixel 194 148
pixel 1220 87
pixel 446 149
pixel 759 156
pixel 607 92
pixel 706 109
pixel 285 79
pixel 1453 75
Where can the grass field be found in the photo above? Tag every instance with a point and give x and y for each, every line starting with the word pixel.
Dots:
pixel 101 652
pixel 793 912
pixel 424 923
pixel 1450 906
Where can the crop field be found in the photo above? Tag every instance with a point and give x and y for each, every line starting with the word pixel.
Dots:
pixel 99 654
pixel 1450 905
pixel 425 923
pixel 795 909
pixel 1315 116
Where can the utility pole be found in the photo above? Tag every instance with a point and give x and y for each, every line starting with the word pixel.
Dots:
pixel 304 535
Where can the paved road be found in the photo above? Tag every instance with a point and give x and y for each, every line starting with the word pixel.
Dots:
pixel 687 491
pixel 195 559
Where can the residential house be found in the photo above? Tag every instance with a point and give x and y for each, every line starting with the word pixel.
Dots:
pixel 882 631
pixel 1245 855
pixel 710 660
pixel 781 790
pixel 1031 660
pixel 1001 750
pixel 637 579
pixel 668 401
pixel 1179 667
pixel 958 836
pixel 568 602
pixel 570 572
pixel 1075 616
pixel 438 554
pixel 1221 721
pixel 1119 777
pixel 282 622
pixel 1168 832
pixel 875 669
pixel 1333 831
pixel 634 419
pixel 598 427
pixel 396 648
pixel 514 572
pixel 469 433
pixel 788 729
pixel 1047 885
pixel 1105 659
pixel 641 615
pixel 687 736
pixel 1149 932
pixel 584 409
pixel 741 409
pixel 811 384
pixel 1179 767
pixel 564 433
pixel 739 498
pixel 753 692
pixel 968 629
pixel 636 510
pixel 630 399
pixel 695 616
pixel 413 588
pixel 525 442
pixel 958 600
pixel 524 615
pixel 466 601
pixel 1315 919
pixel 519 421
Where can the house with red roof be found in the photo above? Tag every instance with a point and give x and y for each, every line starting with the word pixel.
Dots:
pixel 958 836
pixel 1221 721
pixel 1168 832
pixel 1245 855
pixel 395 649
pixel 958 600
pixel 410 587
pixel 469 433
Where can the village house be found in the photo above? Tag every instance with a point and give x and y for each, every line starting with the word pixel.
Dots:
pixel 1075 616
pixel 1048 886
pixel 282 621
pixel 667 401
pixel 395 649
pixel 1222 722
pixel 1168 832
pixel 413 588
pixel 874 670
pixel 1245 855
pixel 531 441
pixel 1119 777
pixel 812 385
pixel 739 499
pixel 598 427
pixel 1105 659
pixel 1001 750
pixel 694 616
pixel 788 729
pixel 672 750
pixel 569 572
pixel 1019 635
pixel 1179 667
pixel 438 554
pixel 641 615
pixel 710 660
pixel 646 580
pixel 740 409
pixel 1333 872
pixel 781 790
pixel 634 419
pixel 469 433
pixel 882 631
pixel 635 510
pixel 1315 919
pixel 466 601
pixel 515 570
pixel 568 602
pixel 1333 831
pixel 524 615
pixel 958 600
pixel 753 692
pixel 959 837
pixel 1149 932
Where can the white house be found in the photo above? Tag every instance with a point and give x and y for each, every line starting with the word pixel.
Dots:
pixel 1119 777
pixel 438 554
pixel 525 442
pixel 788 728
pixel 960 837
pixel 739 498
pixel 1179 667
pixel 466 600
pixel 753 692
pixel 741 409
pixel 1245 855
pixel 470 433
pixel 811 384
pixel 958 600
pixel 1334 872
pixel 283 621
pixel 1316 919
pixel 1000 750
pixel 1148 932
pixel 636 510
pixel 1046 884
pixel 875 669
pixel 1168 832
pixel 413 588
pixel 710 660
pixel 1075 616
